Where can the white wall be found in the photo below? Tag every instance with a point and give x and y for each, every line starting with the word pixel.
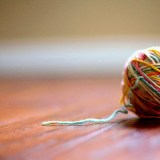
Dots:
pixel 70 57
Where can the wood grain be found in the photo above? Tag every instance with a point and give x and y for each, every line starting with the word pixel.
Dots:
pixel 24 104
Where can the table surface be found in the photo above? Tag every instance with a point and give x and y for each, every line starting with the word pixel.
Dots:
pixel 24 104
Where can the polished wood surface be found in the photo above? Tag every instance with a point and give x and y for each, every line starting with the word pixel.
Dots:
pixel 24 104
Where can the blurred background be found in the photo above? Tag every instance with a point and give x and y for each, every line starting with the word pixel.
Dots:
pixel 74 38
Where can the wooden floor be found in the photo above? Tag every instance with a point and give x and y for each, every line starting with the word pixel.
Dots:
pixel 24 104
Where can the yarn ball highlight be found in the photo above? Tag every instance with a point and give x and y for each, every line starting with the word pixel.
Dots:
pixel 141 83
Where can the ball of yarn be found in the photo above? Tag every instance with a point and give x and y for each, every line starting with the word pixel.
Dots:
pixel 141 83
pixel 141 89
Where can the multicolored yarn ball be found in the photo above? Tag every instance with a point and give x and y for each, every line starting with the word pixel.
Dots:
pixel 141 83
pixel 141 89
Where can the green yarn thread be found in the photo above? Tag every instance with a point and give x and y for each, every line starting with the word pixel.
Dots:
pixel 88 120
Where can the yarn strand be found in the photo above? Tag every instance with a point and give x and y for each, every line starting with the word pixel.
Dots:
pixel 88 120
